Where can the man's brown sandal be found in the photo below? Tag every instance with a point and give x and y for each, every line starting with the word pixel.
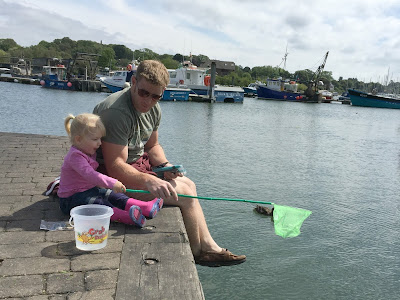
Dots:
pixel 218 259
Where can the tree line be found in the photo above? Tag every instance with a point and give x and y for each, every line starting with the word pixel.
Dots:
pixel 114 56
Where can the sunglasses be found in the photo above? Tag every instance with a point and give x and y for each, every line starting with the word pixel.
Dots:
pixel 145 94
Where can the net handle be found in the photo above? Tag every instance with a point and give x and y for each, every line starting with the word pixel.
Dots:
pixel 206 198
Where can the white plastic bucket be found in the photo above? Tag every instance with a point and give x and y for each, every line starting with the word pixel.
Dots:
pixel 91 224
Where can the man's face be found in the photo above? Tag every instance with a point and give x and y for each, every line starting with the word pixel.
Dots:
pixel 145 94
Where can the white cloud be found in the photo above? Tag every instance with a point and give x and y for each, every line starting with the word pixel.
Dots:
pixel 362 36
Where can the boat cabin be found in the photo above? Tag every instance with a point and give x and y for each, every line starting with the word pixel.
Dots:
pixel 282 85
pixel 187 76
pixel 119 75
pixel 58 72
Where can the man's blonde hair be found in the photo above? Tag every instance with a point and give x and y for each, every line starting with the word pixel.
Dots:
pixel 82 125
pixel 153 71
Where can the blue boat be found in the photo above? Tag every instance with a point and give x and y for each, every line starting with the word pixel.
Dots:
pixel 176 94
pixel 250 90
pixel 358 98
pixel 228 94
pixel 279 89
pixel 55 77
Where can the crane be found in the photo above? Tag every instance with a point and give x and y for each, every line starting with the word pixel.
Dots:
pixel 312 86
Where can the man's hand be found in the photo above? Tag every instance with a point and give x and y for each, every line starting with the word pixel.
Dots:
pixel 161 188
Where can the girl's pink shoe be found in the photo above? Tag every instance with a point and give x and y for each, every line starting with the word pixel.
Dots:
pixel 157 205
pixel 136 215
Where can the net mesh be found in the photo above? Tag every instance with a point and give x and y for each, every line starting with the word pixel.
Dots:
pixel 288 220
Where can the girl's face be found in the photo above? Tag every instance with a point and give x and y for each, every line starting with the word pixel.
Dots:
pixel 88 143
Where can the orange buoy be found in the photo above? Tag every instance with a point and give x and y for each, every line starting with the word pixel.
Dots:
pixel 207 80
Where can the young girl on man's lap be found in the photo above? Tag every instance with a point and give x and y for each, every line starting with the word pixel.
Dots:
pixel 81 184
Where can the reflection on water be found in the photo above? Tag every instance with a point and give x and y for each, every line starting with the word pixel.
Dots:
pixel 339 161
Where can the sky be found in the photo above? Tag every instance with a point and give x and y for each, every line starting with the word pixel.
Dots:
pixel 362 36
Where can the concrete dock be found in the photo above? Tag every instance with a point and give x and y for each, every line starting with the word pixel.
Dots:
pixel 154 262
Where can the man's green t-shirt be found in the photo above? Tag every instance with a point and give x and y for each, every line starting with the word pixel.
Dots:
pixel 126 126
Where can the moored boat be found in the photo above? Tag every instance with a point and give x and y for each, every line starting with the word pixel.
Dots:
pixel 56 77
pixel 116 82
pixel 190 76
pixel 228 94
pixel 279 89
pixel 5 72
pixel 359 98
pixel 198 81
pixel 250 90
pixel 176 94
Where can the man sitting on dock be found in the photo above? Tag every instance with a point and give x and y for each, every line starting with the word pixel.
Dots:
pixel 131 149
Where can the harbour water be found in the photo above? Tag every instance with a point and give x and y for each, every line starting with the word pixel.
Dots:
pixel 339 161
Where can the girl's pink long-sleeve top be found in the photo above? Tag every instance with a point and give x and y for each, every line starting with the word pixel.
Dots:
pixel 78 174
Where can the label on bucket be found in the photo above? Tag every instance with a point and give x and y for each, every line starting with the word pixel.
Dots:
pixel 92 236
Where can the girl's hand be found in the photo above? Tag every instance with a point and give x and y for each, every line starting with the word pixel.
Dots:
pixel 119 187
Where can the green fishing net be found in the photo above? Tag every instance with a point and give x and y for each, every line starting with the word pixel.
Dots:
pixel 288 220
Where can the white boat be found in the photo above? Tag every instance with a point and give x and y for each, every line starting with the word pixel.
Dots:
pixel 116 82
pixel 326 95
pixel 198 81
pixel 190 76
pixel 5 72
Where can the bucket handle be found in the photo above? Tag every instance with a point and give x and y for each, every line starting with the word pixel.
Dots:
pixel 70 220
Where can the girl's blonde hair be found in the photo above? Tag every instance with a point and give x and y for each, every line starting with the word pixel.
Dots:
pixel 82 125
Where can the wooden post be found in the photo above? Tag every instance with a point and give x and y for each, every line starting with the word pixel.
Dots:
pixel 212 81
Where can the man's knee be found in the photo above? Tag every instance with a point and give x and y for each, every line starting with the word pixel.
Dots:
pixel 188 203
pixel 188 184
pixel 184 187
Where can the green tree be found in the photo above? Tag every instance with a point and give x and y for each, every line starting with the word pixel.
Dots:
pixel 83 46
pixel 262 73
pixel 199 59
pixel 164 56
pixel 7 44
pixel 284 73
pixel 38 51
pixel 178 57
pixel 4 56
pixel 44 44
pixel 122 52
pixel 107 58
pixel 304 76
pixel 144 54
pixel 170 63
pixel 247 70
pixel 65 46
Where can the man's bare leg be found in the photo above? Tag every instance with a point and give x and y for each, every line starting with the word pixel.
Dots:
pixel 199 236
